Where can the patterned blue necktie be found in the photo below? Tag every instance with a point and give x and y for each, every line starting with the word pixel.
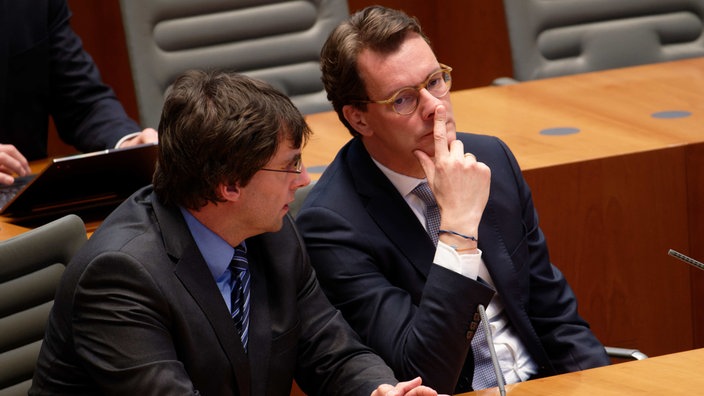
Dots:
pixel 239 269
pixel 432 212
pixel 484 376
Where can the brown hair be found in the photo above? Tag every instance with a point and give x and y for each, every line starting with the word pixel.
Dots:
pixel 377 28
pixel 219 127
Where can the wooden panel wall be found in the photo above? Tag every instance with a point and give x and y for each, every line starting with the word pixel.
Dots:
pixel 609 224
pixel 469 35
pixel 695 216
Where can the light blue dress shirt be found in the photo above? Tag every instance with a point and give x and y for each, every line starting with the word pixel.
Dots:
pixel 216 252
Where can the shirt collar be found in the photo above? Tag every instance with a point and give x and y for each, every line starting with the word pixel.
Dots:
pixel 404 184
pixel 216 252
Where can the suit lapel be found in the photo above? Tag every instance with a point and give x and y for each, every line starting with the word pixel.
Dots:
pixel 495 254
pixel 196 278
pixel 389 209
pixel 503 273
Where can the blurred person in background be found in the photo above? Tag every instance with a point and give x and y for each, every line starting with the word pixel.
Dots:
pixel 44 71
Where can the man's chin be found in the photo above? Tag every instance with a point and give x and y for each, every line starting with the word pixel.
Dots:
pixel 427 145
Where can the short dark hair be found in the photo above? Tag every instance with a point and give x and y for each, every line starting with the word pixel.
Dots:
pixel 219 127
pixel 377 28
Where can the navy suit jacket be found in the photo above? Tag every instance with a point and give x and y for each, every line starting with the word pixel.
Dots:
pixel 138 312
pixel 374 260
pixel 45 71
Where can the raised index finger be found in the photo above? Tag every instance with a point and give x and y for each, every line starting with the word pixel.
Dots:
pixel 440 132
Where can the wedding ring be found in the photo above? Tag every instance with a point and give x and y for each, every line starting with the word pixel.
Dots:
pixel 470 155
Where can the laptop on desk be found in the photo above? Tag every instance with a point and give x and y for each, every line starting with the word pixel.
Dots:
pixel 100 179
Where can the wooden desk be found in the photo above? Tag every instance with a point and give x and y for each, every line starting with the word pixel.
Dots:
pixel 612 198
pixel 611 108
pixel 675 374
pixel 8 230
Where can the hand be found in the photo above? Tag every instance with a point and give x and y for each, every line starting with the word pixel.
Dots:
pixel 409 388
pixel 12 162
pixel 459 182
pixel 148 135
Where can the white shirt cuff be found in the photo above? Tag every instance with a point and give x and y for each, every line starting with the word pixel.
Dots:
pixel 464 264
pixel 126 137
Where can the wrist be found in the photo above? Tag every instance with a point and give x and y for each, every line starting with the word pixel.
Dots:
pixel 460 242
pixel 125 139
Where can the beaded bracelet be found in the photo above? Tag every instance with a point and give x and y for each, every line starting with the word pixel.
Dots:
pixel 471 238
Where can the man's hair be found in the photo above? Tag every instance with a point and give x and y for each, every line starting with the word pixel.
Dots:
pixel 376 28
pixel 219 127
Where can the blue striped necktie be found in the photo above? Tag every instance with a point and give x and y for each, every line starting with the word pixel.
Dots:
pixel 239 269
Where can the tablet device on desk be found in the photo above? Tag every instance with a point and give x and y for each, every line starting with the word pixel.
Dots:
pixel 100 179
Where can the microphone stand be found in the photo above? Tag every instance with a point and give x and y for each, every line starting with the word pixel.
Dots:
pixel 492 351
pixel 686 259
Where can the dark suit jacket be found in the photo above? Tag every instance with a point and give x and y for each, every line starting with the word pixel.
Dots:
pixel 138 312
pixel 374 261
pixel 45 71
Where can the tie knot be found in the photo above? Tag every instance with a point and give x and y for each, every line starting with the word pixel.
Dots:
pixel 239 259
pixel 423 192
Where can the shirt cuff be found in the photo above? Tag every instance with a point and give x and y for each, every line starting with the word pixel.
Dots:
pixel 125 138
pixel 464 264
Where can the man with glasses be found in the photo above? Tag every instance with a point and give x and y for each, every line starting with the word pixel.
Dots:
pixel 414 225
pixel 200 284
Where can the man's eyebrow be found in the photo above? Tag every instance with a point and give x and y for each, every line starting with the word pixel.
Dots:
pixel 293 159
pixel 415 86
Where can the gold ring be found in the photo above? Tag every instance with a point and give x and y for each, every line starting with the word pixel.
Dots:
pixel 469 155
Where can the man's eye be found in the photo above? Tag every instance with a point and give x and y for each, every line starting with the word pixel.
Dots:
pixel 405 98
pixel 434 82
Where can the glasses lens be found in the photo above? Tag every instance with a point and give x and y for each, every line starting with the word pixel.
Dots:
pixel 439 84
pixel 406 101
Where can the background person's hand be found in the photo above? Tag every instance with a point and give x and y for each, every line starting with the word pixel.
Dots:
pixel 12 163
pixel 148 135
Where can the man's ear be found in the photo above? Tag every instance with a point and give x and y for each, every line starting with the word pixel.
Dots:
pixel 229 192
pixel 357 118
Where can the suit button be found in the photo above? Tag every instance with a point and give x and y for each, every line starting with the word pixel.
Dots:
pixel 473 326
pixel 469 334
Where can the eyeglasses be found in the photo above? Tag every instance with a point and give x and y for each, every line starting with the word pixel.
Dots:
pixel 405 100
pixel 297 166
